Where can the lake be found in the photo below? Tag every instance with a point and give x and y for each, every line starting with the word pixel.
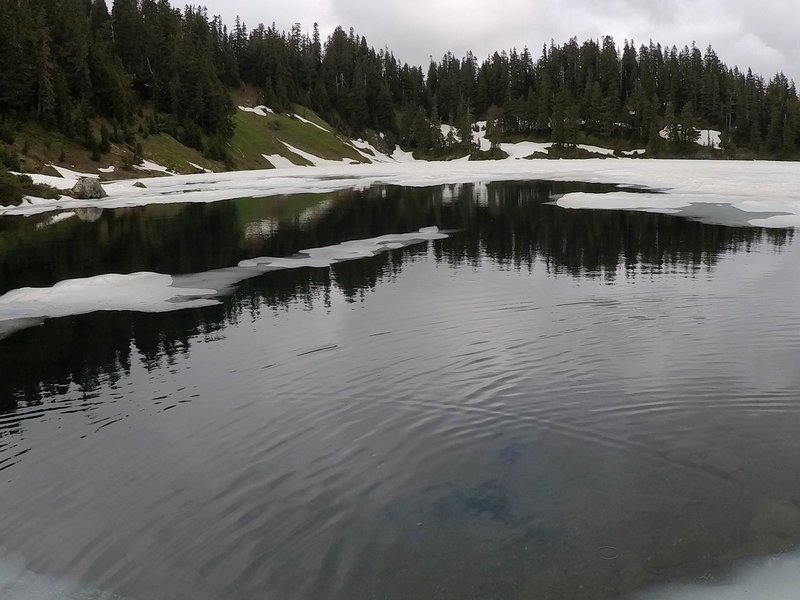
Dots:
pixel 537 403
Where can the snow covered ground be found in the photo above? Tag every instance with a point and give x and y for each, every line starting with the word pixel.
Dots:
pixel 759 193
pixel 706 137
pixel 260 110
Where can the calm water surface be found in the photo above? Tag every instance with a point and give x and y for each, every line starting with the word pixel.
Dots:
pixel 546 404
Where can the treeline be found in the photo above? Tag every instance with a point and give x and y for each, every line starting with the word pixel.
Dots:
pixel 144 67
pixel 147 67
pixel 571 92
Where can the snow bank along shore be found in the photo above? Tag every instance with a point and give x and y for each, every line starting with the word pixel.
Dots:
pixel 759 193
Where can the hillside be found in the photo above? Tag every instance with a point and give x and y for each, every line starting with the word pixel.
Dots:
pixel 146 84
pixel 262 139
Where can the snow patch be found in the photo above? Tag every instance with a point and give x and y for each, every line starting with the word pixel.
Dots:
pixel 199 168
pixel 710 138
pixel 73 175
pixel 307 122
pixel 259 110
pixel 108 169
pixel 401 156
pixel 447 129
pixel 596 149
pixel 520 150
pixel 60 183
pixel 706 137
pixel 313 159
pixel 278 161
pixel 479 137
pixel 364 148
pixel 149 165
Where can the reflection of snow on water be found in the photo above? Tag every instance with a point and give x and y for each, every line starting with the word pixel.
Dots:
pixel 260 229
pixel 18 583
pixel 56 218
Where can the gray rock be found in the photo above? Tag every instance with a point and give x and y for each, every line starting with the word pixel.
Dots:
pixel 88 188
pixel 139 184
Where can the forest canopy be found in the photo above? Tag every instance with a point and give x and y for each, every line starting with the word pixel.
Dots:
pixel 145 67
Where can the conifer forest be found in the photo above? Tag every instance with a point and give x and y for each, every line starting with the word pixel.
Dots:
pixel 146 66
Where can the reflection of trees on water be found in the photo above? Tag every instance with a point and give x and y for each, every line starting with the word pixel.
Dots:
pixel 516 227
pixel 508 224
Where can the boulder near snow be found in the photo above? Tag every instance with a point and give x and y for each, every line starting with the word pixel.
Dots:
pixel 88 188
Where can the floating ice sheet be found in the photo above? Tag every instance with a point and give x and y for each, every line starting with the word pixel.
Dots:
pixel 157 292
pixel 328 255
pixel 699 207
pixel 150 292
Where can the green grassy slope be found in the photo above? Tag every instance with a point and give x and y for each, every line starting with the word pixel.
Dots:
pixel 255 135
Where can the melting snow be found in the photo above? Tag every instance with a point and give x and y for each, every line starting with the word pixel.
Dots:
pixel 306 121
pixel 596 149
pixel 109 169
pixel 520 150
pixel 156 292
pixel 259 110
pixel 706 137
pixel 278 161
pixel 774 202
pixel 401 156
pixel 313 159
pixel 149 165
pixel 376 155
pixel 199 168
pixel 73 175
pixel 479 137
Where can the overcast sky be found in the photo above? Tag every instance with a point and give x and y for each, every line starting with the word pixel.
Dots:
pixel 759 34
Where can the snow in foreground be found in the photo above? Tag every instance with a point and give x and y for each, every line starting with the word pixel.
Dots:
pixel 758 193
pixel 157 292
pixel 19 583
pixel 773 578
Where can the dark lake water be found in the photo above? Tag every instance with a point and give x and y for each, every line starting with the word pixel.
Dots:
pixel 548 403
